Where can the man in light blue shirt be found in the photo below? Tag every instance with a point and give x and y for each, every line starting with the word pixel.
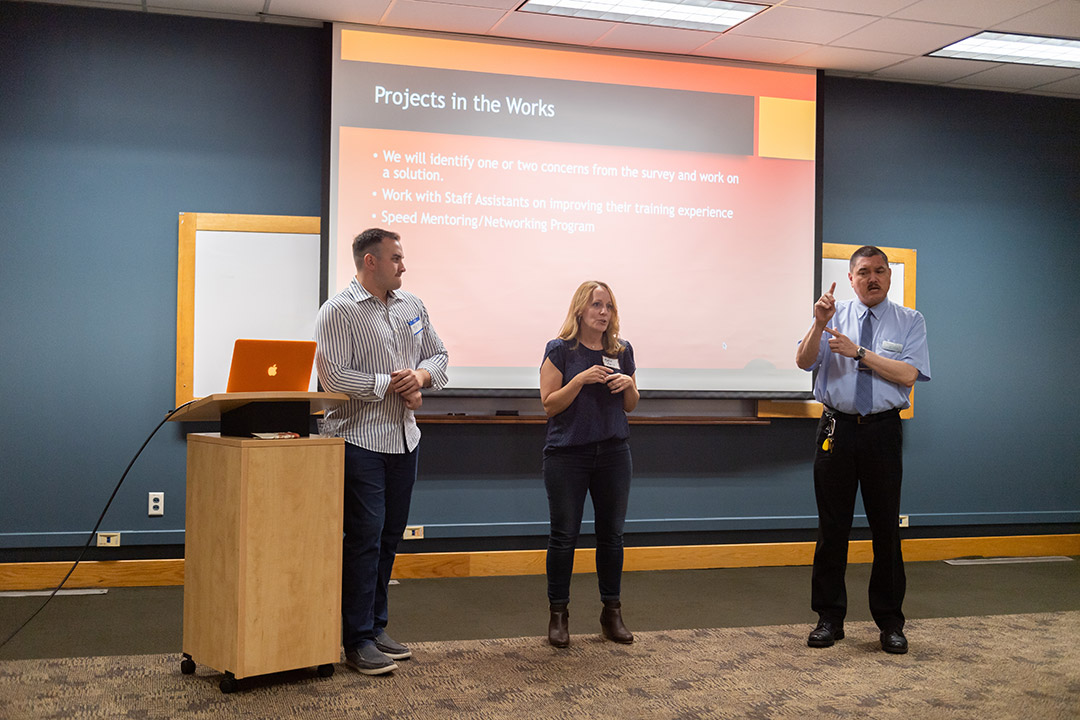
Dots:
pixel 875 351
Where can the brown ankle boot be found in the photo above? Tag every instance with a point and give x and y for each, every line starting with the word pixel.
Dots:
pixel 558 626
pixel 611 624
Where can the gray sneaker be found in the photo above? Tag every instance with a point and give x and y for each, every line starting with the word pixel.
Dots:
pixel 369 660
pixel 391 647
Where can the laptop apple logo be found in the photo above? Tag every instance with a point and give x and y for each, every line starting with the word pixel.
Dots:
pixel 272 370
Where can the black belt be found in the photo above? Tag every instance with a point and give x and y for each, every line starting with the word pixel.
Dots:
pixel 863 419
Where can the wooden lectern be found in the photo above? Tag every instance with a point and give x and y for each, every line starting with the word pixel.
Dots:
pixel 262 557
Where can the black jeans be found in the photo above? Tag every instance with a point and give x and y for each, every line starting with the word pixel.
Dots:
pixel 868 457
pixel 603 471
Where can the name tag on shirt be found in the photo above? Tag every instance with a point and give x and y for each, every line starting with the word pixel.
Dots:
pixel 416 326
pixel 891 346
pixel 611 362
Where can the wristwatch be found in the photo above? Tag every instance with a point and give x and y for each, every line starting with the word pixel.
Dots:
pixel 860 353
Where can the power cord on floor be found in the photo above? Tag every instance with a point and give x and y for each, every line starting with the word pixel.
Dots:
pixel 93 532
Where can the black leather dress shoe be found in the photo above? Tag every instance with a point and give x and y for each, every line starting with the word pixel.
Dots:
pixel 825 634
pixel 894 642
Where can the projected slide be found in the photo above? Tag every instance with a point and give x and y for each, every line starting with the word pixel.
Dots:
pixel 514 173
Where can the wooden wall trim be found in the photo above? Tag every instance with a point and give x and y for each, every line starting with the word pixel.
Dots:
pixel 694 557
pixel 128 573
pixel 111 573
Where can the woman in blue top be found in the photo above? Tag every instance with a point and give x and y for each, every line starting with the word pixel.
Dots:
pixel 587 386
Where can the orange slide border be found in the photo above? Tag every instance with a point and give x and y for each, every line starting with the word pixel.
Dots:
pixel 490 57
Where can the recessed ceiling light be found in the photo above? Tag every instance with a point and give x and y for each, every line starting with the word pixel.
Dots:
pixel 714 15
pixel 1008 48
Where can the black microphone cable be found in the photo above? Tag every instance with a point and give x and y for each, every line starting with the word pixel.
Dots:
pixel 93 532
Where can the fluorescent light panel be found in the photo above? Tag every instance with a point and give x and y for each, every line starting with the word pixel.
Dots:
pixel 714 15
pixel 1008 48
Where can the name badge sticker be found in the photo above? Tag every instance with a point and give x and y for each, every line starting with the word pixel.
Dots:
pixel 416 326
pixel 612 363
pixel 891 346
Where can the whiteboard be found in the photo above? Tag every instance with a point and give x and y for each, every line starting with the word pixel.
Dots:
pixel 250 285
pixel 241 276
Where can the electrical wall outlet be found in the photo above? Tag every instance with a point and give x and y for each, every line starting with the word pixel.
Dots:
pixel 156 504
pixel 903 521
pixel 414 532
pixel 108 539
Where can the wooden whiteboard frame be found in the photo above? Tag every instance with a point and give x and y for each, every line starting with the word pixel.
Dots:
pixel 189 225
pixel 837 251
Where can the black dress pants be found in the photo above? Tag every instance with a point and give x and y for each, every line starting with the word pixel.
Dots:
pixel 866 456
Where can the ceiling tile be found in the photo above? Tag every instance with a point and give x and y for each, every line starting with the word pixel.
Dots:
pixel 114 5
pixel 966 86
pixel 836 58
pixel 1040 91
pixel 736 47
pixel 355 11
pixel 934 69
pixel 1061 18
pixel 498 4
pixel 551 28
pixel 903 36
pixel 652 38
pixel 978 13
pixel 1070 86
pixel 1019 77
pixel 801 25
pixel 861 38
pixel 232 7
pixel 882 78
pixel 437 16
pixel 866 7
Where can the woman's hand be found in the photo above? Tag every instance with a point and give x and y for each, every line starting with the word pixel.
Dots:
pixel 595 374
pixel 617 382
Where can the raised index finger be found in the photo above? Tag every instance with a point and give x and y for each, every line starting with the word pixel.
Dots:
pixel 832 288
pixel 834 333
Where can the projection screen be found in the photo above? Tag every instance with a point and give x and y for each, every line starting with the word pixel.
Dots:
pixel 514 172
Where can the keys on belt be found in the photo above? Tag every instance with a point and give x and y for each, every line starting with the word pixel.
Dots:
pixel 830 429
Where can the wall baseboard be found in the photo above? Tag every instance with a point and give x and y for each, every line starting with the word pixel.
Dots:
pixel 106 573
pixel 150 573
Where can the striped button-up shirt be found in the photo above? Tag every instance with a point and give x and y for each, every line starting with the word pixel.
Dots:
pixel 359 343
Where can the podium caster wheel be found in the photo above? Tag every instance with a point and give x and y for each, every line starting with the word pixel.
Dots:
pixel 187 665
pixel 228 683
pixel 326 670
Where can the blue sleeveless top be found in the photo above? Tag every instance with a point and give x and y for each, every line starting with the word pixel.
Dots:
pixel 595 414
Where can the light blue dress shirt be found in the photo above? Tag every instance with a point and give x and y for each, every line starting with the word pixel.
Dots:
pixel 899 334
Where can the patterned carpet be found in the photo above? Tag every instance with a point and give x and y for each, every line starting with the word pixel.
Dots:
pixel 990 668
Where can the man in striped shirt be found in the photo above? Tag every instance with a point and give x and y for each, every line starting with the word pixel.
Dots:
pixel 376 344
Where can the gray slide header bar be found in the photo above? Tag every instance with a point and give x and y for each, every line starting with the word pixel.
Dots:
pixel 394 97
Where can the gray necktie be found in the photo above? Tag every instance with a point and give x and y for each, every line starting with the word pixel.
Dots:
pixel 864 392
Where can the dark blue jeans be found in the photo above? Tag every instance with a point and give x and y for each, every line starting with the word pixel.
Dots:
pixel 603 471
pixel 378 490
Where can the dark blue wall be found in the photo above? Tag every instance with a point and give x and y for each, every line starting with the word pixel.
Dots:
pixel 986 186
pixel 111 123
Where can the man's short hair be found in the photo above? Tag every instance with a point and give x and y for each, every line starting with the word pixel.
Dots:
pixel 369 241
pixel 864 251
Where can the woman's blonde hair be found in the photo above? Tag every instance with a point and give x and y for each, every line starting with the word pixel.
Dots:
pixel 572 324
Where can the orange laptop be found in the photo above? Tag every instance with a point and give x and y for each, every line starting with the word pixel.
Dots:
pixel 271 365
